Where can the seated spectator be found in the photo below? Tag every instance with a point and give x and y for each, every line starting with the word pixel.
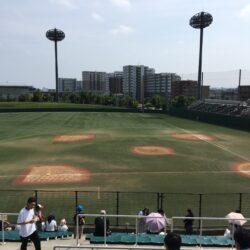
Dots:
pixel 100 223
pixel 172 241
pixel 142 228
pixel 242 239
pixel 7 226
pixel 50 224
pixel 63 226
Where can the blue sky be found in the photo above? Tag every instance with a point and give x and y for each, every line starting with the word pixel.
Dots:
pixel 104 35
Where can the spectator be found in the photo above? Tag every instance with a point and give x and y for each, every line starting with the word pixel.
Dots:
pixel 172 241
pixel 100 225
pixel 63 226
pixel 26 220
pixel 242 239
pixel 188 223
pixel 50 224
pixel 39 215
pixel 81 221
pixel 142 228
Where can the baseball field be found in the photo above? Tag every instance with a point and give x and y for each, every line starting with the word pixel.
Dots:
pixel 115 151
pixel 121 152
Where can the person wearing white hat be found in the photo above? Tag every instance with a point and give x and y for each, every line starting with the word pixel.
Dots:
pixel 100 225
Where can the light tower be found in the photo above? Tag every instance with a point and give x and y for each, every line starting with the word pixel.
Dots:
pixel 200 21
pixel 55 35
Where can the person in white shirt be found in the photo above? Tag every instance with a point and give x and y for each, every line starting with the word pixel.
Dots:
pixel 50 224
pixel 26 220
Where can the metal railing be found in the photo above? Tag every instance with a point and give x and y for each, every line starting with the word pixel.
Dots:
pixel 136 217
pixel 3 217
pixel 94 247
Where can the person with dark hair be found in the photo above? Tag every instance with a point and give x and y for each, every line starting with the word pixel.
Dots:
pixel 188 223
pixel 142 228
pixel 172 241
pixel 26 220
pixel 51 224
pixel 242 239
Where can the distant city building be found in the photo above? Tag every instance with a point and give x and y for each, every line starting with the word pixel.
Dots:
pixel 67 84
pixel 224 94
pixel 188 88
pixel 159 84
pixel 115 82
pixel 134 80
pixel 244 92
pixel 15 91
pixel 185 88
pixel 95 82
pixel 79 86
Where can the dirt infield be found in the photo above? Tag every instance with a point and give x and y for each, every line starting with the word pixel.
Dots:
pixel 194 137
pixel 242 169
pixel 71 138
pixel 151 150
pixel 52 174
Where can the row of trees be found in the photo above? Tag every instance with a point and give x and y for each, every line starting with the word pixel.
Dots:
pixel 156 101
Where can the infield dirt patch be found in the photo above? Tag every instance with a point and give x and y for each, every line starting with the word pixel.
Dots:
pixel 71 138
pixel 151 150
pixel 242 169
pixel 52 174
pixel 194 137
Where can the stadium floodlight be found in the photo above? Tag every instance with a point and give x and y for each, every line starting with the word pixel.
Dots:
pixel 200 21
pixel 55 35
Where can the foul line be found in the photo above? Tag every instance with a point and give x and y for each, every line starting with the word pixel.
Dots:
pixel 212 143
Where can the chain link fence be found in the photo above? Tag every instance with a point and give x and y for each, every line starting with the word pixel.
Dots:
pixel 62 204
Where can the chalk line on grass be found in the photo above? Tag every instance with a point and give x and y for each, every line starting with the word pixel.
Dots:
pixel 212 143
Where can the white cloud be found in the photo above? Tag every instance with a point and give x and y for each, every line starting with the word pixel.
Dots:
pixel 122 30
pixel 124 4
pixel 180 42
pixel 97 17
pixel 66 3
pixel 245 12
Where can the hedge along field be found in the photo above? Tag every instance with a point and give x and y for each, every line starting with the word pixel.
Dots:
pixel 197 166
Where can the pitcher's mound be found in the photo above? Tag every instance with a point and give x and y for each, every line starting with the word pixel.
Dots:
pixel 194 137
pixel 151 150
pixel 242 169
pixel 71 138
pixel 52 174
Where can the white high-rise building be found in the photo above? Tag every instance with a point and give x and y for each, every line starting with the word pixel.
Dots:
pixel 133 80
pixel 160 84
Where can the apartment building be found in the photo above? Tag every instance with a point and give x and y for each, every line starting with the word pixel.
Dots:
pixel 160 84
pixel 67 84
pixel 95 82
pixel 14 91
pixel 115 82
pixel 134 80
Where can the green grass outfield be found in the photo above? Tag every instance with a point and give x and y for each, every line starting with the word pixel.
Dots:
pixel 197 166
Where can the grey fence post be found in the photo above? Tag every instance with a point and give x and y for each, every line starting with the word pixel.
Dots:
pixel 117 208
pixel 240 201
pixel 76 198
pixel 158 201
pixel 200 204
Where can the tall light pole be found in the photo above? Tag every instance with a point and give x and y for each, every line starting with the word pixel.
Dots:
pixel 56 35
pixel 200 21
